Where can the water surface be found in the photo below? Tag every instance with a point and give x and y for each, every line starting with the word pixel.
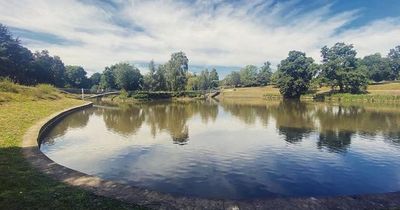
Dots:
pixel 235 149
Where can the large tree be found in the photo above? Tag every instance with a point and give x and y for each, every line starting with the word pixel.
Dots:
pixel 377 67
pixel 264 75
pixel 15 60
pixel 128 77
pixel 149 80
pixel 248 75
pixel 340 64
pixel 76 77
pixel 394 59
pixel 296 72
pixel 233 79
pixel 176 70
pixel 49 69
pixel 214 78
pixel 107 79
pixel 160 82
pixel 95 79
pixel 204 80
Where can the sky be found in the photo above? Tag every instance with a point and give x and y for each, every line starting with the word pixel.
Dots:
pixel 216 33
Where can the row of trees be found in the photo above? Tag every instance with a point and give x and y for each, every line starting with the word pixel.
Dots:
pixel 250 75
pixel 21 65
pixel 171 76
pixel 340 69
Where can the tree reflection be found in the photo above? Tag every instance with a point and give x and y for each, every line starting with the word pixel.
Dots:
pixel 77 119
pixel 126 120
pixel 294 120
pixel 335 141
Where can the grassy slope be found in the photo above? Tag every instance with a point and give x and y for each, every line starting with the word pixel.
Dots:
pixel 380 91
pixel 22 187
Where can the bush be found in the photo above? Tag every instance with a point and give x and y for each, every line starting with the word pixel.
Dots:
pixel 144 95
pixel 45 91
pixel 6 85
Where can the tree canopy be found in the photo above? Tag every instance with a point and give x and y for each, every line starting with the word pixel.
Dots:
pixel 296 72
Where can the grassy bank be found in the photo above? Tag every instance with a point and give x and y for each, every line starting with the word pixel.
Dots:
pixel 388 92
pixel 21 186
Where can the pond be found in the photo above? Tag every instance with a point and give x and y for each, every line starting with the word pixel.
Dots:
pixel 235 149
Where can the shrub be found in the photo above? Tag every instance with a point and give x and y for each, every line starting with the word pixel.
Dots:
pixel 6 85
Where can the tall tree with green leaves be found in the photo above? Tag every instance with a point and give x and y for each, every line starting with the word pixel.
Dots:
pixel 95 79
pixel 233 79
pixel 128 77
pixel 214 78
pixel 160 82
pixel 15 60
pixel 107 79
pixel 340 68
pixel 149 80
pixel 204 80
pixel 248 75
pixel 193 82
pixel 76 77
pixel 377 68
pixel 48 69
pixel 176 70
pixel 394 60
pixel 264 74
pixel 296 72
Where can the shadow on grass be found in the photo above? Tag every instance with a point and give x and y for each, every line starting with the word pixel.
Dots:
pixel 24 187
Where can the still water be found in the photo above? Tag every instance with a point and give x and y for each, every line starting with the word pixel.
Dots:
pixel 235 149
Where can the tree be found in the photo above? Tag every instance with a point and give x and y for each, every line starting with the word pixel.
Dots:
pixel 15 60
pixel 233 79
pixel 128 77
pixel 248 75
pixel 76 77
pixel 264 75
pixel 377 67
pixel 355 82
pixel 149 80
pixel 296 72
pixel 48 69
pixel 160 82
pixel 176 70
pixel 107 79
pixel 339 65
pixel 95 79
pixel 394 60
pixel 193 82
pixel 204 80
pixel 214 78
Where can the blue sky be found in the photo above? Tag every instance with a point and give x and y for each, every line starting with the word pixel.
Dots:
pixel 216 33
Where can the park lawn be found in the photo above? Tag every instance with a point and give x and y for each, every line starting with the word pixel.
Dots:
pixel 389 91
pixel 385 89
pixel 21 186
pixel 250 92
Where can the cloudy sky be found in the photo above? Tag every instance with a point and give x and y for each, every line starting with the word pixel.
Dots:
pixel 224 34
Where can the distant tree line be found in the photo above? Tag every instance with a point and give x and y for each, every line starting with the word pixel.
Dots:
pixel 340 69
pixel 22 66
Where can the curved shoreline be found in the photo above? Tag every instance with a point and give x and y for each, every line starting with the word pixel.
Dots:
pixel 158 200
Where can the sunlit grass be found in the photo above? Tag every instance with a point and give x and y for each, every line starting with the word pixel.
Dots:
pixel 21 186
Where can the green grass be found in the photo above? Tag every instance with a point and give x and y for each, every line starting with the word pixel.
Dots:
pixel 21 186
pixel 380 93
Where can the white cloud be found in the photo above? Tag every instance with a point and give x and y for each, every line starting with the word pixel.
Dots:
pixel 233 34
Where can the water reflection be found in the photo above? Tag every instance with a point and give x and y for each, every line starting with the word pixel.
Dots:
pixel 238 148
pixel 336 124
